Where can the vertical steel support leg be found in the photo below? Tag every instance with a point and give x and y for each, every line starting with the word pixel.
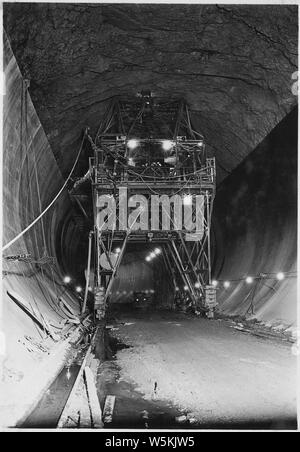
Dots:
pixel 169 267
pixel 189 258
pixel 116 268
pixel 182 271
pixel 87 273
pixel 208 237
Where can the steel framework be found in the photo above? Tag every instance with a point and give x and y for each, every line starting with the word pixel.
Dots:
pixel 149 146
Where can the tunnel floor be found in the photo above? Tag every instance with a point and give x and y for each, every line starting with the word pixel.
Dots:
pixel 170 370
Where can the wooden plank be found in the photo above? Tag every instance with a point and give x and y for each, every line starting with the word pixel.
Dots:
pixel 95 408
pixel 109 409
pixel 72 312
pixel 73 392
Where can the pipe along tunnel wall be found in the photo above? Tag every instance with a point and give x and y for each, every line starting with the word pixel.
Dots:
pixel 254 224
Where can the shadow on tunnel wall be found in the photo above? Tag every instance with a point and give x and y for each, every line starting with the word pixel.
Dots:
pixel 255 230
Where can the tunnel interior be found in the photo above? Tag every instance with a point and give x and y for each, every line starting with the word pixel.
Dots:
pixel 234 67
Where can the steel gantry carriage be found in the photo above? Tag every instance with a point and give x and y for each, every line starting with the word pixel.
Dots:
pixel 146 147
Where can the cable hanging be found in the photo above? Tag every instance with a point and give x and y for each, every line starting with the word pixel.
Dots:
pixel 51 203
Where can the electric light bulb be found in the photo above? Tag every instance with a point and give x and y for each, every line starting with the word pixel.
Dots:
pixel 68 374
pixel 132 144
pixel 167 145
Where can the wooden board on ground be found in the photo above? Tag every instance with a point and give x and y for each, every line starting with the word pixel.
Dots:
pixel 93 399
pixel 109 409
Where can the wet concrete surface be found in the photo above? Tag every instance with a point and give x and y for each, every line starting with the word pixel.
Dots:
pixel 47 412
pixel 131 409
pixel 49 409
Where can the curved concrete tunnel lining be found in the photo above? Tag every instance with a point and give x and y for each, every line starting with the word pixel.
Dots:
pixel 256 208
pixel 249 253
pixel 33 285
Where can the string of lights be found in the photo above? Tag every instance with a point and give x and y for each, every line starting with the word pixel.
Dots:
pixel 279 276
pixel 153 254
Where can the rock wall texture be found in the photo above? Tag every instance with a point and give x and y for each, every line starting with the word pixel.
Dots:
pixel 233 64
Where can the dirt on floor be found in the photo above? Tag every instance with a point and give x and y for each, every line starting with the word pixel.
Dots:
pixel 198 373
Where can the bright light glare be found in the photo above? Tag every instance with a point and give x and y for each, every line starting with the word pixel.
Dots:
pixel 200 144
pixel 249 280
pixel 167 145
pixel 197 285
pixel 187 200
pixel 280 276
pixel 67 279
pixel 157 251
pixel 148 258
pixel 214 283
pixel 118 250
pixel 132 144
pixel 78 289
pixel 186 288
pixel 226 284
pixel 152 255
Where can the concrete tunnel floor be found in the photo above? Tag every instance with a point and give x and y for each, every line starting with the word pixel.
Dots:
pixel 179 371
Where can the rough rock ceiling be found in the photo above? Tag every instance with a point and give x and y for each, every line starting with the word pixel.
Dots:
pixel 233 65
